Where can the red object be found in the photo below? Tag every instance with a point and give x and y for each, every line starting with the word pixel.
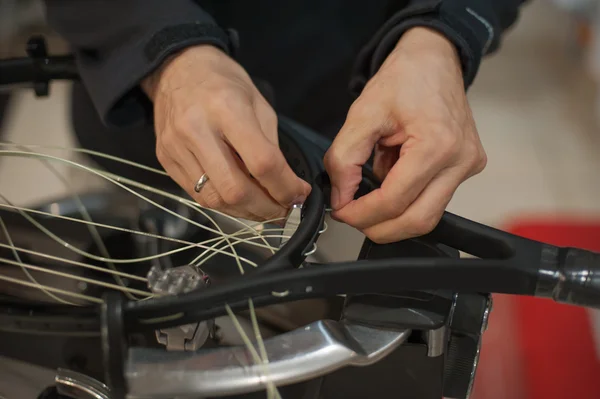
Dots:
pixel 536 348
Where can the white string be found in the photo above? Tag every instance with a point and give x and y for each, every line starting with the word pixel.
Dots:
pixel 75 277
pixel 29 276
pixel 143 233
pixel 272 391
pixel 96 172
pixel 114 260
pixel 125 180
pixel 85 214
pixel 202 258
pixel 255 357
pixel 52 289
pixel 199 262
pixel 73 262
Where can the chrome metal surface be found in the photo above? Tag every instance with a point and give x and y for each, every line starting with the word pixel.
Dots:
pixel 200 183
pixel 292 222
pixel 299 355
pixel 436 342
pixel 178 280
pixel 79 386
pixel 484 326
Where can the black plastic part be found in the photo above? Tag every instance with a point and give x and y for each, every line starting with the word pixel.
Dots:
pixel 38 69
pixel 309 168
pixel 114 344
pixel 36 49
pixel 459 366
pixel 417 310
pixel 570 275
pixel 381 276
pixel 468 321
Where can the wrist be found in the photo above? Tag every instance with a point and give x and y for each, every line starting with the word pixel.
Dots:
pixel 176 68
pixel 424 39
pixel 429 46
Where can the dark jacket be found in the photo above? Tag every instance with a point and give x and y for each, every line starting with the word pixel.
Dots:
pixel 315 54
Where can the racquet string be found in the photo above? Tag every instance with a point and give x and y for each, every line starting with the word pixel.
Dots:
pixel 222 244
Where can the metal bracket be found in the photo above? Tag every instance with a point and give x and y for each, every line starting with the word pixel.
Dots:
pixel 177 280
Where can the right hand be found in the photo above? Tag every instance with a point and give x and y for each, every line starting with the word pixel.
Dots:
pixel 210 118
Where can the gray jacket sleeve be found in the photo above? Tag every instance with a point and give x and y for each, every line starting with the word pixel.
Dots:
pixel 117 43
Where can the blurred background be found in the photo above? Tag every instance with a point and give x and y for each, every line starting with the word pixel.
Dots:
pixel 537 107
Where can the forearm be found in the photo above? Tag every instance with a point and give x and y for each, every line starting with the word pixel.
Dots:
pixel 475 27
pixel 118 43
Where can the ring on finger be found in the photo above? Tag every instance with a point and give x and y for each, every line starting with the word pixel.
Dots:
pixel 201 183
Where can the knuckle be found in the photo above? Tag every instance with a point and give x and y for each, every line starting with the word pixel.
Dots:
pixel 213 200
pixel 271 116
pixel 224 98
pixel 481 162
pixel 160 154
pixel 186 123
pixel 333 158
pixel 264 163
pixel 358 108
pixel 167 141
pixel 477 159
pixel 391 203
pixel 233 194
pixel 447 144
pixel 473 157
pixel 182 123
pixel 422 226
pixel 377 237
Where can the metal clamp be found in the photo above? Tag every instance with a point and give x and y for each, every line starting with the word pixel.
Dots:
pixel 182 279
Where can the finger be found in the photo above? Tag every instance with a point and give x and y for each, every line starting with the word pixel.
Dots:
pixel 264 160
pixel 234 186
pixel 185 177
pixel 404 182
pixel 171 166
pixel 423 214
pixel 267 118
pixel 351 149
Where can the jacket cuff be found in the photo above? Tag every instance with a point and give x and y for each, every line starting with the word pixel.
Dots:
pixel 471 34
pixel 113 80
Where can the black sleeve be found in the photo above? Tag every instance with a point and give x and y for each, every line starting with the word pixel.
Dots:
pixel 474 26
pixel 118 42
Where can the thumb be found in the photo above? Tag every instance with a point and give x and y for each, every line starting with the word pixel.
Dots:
pixel 350 150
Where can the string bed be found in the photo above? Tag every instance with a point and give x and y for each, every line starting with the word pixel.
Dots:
pixel 262 236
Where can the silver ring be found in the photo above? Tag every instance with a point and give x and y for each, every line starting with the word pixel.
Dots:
pixel 201 182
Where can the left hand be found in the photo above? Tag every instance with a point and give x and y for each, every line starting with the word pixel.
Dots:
pixel 414 113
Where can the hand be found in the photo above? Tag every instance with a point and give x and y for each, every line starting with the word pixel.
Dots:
pixel 210 118
pixel 414 114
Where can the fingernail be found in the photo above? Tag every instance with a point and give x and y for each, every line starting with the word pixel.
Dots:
pixel 335 198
